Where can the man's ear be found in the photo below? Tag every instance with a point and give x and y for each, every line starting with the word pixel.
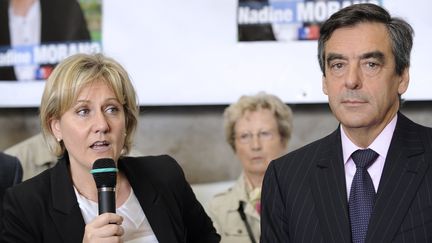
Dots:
pixel 404 81
pixel 324 85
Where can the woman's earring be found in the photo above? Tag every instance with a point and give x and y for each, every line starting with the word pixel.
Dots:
pixel 59 140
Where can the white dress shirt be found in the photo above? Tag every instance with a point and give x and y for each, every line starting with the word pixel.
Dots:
pixel 380 145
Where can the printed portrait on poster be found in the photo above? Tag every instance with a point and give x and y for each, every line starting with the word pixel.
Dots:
pixel 36 35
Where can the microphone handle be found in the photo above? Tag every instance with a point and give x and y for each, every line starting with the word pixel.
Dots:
pixel 106 200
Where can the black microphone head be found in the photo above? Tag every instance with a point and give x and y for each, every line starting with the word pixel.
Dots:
pixel 104 172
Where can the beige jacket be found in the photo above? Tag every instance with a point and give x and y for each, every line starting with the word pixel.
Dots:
pixel 223 209
pixel 34 155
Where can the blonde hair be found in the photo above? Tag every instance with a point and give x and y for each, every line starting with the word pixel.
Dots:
pixel 262 100
pixel 68 79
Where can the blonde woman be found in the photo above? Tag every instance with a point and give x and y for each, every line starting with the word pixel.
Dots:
pixel 89 111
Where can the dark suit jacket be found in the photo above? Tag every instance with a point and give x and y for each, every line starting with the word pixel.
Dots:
pixel 304 195
pixel 10 174
pixel 61 21
pixel 45 208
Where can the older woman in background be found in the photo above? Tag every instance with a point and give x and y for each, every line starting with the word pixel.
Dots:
pixel 88 112
pixel 258 128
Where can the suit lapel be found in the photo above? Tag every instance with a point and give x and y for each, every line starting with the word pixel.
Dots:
pixel 66 213
pixel 329 190
pixel 404 169
pixel 153 205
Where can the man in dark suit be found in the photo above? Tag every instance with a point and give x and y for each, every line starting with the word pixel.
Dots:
pixel 10 174
pixel 310 195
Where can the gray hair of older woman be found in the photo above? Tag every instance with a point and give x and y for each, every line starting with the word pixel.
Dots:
pixel 262 100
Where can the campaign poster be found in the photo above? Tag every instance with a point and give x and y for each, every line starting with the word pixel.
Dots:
pixel 285 20
pixel 35 37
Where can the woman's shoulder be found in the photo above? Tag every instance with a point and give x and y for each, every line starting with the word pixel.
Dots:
pixel 149 159
pixel 40 181
pixel 149 162
pixel 161 168
pixel 227 199
pixel 31 192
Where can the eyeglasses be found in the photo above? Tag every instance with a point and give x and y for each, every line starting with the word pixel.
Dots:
pixel 247 137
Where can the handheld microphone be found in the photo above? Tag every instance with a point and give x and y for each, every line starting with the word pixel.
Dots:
pixel 105 175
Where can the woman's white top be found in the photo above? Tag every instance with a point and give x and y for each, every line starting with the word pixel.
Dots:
pixel 135 223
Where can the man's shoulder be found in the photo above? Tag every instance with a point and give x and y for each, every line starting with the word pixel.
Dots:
pixel 311 149
pixel 8 161
pixel 411 129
